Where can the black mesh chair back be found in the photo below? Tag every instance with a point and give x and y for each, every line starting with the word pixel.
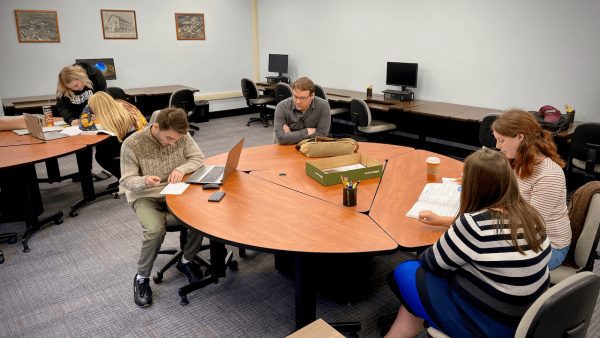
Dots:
pixel 282 91
pixel 319 92
pixel 117 93
pixel 585 146
pixel 361 114
pixel 486 137
pixel 249 90
pixel 182 98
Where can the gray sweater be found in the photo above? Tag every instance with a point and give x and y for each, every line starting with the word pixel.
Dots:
pixel 142 155
pixel 317 116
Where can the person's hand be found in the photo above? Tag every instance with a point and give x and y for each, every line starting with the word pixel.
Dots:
pixel 431 218
pixel 75 122
pixel 152 181
pixel 311 130
pixel 175 177
pixel 286 129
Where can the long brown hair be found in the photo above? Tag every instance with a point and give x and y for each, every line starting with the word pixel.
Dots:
pixel 535 140
pixel 490 183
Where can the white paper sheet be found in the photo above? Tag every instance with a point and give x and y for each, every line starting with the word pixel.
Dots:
pixel 174 188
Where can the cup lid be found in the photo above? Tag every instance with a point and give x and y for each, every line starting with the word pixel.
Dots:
pixel 433 160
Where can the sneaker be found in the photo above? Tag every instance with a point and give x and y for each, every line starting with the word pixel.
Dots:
pixel 191 270
pixel 142 293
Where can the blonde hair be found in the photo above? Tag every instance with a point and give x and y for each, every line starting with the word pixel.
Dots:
pixel 490 183
pixel 114 116
pixel 68 74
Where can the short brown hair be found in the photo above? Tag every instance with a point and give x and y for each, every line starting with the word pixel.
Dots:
pixel 514 122
pixel 304 83
pixel 173 119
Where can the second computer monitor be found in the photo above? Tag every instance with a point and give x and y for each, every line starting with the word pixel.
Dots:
pixel 401 74
pixel 278 63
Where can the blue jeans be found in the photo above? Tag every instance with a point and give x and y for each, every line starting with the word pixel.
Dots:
pixel 558 256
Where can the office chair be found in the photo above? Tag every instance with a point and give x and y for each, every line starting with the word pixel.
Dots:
pixel 320 92
pixel 210 276
pixel 564 310
pixel 486 136
pixel 363 123
pixel 10 238
pixel 117 93
pixel 255 101
pixel 584 154
pixel 184 99
pixel 282 91
pixel 584 249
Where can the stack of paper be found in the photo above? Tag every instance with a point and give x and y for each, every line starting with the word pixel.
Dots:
pixel 441 198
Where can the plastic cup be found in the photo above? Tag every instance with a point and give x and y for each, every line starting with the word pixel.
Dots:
pixel 433 168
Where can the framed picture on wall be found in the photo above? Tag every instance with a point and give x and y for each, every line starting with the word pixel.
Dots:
pixel 118 24
pixel 37 26
pixel 190 26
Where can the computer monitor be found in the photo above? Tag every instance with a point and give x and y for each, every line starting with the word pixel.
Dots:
pixel 278 63
pixel 401 74
pixel 106 66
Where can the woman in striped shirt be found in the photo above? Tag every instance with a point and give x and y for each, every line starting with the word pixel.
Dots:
pixel 482 275
pixel 533 156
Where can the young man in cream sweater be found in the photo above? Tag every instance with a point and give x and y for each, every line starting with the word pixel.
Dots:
pixel 150 159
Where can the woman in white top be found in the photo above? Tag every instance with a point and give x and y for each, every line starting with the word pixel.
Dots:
pixel 533 156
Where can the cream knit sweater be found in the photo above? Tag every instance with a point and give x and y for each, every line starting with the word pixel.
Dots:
pixel 142 155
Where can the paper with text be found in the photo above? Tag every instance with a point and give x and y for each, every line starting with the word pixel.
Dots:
pixel 441 198
pixel 174 189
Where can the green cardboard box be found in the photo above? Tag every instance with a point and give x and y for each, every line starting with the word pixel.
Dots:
pixel 327 171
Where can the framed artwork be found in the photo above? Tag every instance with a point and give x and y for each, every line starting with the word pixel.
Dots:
pixel 37 26
pixel 118 24
pixel 190 26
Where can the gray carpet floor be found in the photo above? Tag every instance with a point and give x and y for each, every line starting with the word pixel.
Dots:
pixel 77 279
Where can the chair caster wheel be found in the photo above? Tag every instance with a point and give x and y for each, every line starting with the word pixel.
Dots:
pixel 248 124
pixel 58 221
pixel 1 259
pixel 73 213
pixel 157 278
pixel 12 240
pixel 116 196
pixel 233 266
pixel 26 247
pixel 184 301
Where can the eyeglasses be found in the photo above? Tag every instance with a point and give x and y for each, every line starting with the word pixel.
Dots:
pixel 300 99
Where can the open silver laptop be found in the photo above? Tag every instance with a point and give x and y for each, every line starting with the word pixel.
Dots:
pixel 218 174
pixel 34 124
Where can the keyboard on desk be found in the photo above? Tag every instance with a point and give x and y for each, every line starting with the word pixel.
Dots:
pixel 213 174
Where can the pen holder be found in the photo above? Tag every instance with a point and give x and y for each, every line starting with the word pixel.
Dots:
pixel 349 198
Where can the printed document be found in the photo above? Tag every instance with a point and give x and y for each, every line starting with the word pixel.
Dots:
pixel 441 198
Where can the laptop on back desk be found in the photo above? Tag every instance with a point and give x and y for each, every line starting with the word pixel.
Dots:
pixel 218 174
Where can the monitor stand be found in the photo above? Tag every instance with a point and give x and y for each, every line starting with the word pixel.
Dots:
pixel 402 95
pixel 277 79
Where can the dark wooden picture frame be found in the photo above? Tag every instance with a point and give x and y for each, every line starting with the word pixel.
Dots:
pixel 190 26
pixel 118 24
pixel 37 25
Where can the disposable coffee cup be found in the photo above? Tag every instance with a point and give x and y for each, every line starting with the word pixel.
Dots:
pixel 433 168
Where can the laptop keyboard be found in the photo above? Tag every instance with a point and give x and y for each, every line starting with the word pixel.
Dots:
pixel 213 174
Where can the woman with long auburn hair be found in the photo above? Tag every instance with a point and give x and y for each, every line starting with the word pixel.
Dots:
pixel 532 154
pixel 486 270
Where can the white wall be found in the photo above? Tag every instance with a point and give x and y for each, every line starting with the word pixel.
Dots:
pixel 155 58
pixel 496 53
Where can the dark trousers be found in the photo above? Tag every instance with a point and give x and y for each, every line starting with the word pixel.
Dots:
pixel 108 156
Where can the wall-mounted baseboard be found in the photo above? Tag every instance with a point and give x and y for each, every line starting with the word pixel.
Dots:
pixel 217 96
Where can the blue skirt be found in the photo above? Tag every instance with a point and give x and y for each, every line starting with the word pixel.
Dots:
pixel 430 297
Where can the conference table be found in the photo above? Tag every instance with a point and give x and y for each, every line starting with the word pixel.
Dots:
pixel 272 206
pixel 18 156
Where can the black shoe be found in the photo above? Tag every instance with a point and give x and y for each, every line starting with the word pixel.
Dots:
pixel 191 270
pixel 142 293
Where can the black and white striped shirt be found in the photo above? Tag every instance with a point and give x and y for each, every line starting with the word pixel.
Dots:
pixel 483 266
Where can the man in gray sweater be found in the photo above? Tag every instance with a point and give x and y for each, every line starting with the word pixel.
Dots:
pixel 301 116
pixel 162 153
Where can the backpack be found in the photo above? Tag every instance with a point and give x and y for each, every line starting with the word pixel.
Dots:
pixel 551 119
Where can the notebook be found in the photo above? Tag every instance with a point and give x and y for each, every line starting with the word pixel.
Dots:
pixel 34 125
pixel 218 174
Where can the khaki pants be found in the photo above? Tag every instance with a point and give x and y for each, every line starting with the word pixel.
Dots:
pixel 152 214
